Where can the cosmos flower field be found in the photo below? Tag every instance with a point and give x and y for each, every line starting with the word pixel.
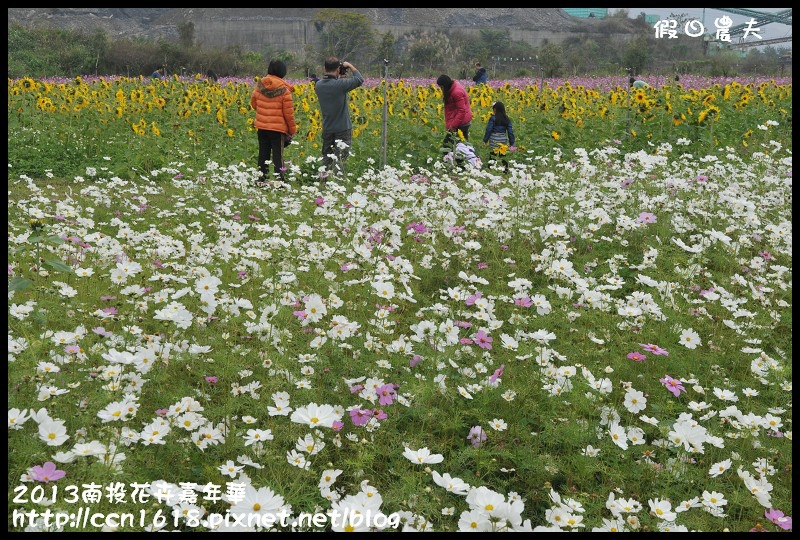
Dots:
pixel 598 340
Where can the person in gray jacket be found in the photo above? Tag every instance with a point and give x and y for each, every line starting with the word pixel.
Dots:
pixel 337 128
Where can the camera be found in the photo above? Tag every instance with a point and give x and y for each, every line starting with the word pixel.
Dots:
pixel 342 69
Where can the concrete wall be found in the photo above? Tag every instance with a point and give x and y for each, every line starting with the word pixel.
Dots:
pixel 293 34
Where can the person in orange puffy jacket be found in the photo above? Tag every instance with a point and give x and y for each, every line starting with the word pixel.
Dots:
pixel 272 101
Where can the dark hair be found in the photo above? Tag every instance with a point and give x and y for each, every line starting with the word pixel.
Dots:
pixel 332 64
pixel 277 68
pixel 500 116
pixel 445 83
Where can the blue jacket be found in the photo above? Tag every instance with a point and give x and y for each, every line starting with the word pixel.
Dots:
pixel 491 128
pixel 480 76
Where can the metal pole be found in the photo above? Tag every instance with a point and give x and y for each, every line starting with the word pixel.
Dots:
pixel 630 85
pixel 385 111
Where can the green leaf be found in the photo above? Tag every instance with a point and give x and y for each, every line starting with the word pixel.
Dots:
pixel 58 266
pixel 19 283
pixel 40 317
pixel 54 239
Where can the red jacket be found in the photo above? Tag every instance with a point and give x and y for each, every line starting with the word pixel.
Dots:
pixel 272 100
pixel 457 111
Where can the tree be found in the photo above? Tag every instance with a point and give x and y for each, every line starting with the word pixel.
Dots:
pixel 386 48
pixel 186 33
pixel 549 58
pixel 343 34
pixel 636 54
pixel 495 42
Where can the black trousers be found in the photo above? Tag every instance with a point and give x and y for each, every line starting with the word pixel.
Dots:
pixel 270 148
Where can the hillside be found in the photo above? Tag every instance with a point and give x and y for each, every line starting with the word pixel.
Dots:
pixel 249 27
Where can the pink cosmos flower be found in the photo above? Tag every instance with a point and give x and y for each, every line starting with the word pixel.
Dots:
pixel 416 359
pixel 211 379
pixel 162 412
pixel 483 340
pixel 356 388
pixel 360 416
pixel 386 394
pixel 646 217
pixel 778 518
pixel 655 349
pixel 673 385
pixel 300 314
pixel 337 425
pixel 476 436
pixel 637 357
pixel 471 299
pixel 465 341
pixel 497 373
pixel 523 302
pixel 49 473
pixel 380 414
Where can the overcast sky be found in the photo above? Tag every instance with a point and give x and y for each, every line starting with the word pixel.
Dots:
pixel 768 31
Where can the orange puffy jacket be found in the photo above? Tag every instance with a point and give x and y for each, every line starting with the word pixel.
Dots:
pixel 272 100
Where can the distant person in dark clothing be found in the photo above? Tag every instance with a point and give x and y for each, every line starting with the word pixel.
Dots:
pixel 158 74
pixel 480 76
pixel 313 78
pixel 211 76
pixel 499 134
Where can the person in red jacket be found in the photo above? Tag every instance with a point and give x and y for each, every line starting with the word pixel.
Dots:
pixel 272 101
pixel 457 111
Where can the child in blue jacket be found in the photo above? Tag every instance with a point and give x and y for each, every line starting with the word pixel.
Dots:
pixel 499 134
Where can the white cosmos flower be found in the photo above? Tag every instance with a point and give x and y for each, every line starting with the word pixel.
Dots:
pixel 498 424
pixel 474 521
pixel 229 468
pixel 257 435
pixel 662 509
pixel 689 338
pixel 590 451
pixel 16 418
pixel 618 435
pixel 635 401
pixel 718 468
pixel 314 415
pixel 53 432
pixel 451 484
pixel 713 499
pixel 422 456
